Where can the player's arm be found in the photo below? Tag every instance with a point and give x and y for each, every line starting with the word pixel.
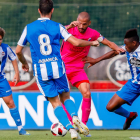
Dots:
pixel 16 76
pixel 93 61
pixel 74 41
pixel 12 57
pixel 72 25
pixel 21 58
pixel 81 43
pixel 21 43
pixel 112 45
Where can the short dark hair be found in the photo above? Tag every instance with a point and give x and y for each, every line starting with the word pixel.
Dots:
pixel 2 32
pixel 45 6
pixel 132 35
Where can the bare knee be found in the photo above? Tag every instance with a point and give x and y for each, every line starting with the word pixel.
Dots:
pixel 86 94
pixel 11 104
pixel 109 108
pixel 64 96
pixel 55 101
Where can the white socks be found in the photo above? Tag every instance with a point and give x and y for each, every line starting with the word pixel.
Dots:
pixel 19 127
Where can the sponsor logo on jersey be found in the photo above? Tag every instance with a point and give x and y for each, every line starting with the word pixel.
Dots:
pixel 135 62
pixel 48 60
pixel 8 90
pixel 43 20
pixel 18 120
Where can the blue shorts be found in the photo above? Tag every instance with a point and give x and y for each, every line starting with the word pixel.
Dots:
pixel 5 89
pixel 129 92
pixel 53 87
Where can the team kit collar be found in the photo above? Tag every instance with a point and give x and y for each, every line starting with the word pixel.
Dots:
pixel 43 18
pixel 138 49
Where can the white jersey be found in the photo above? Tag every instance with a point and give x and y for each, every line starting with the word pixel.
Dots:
pixel 5 52
pixel 133 59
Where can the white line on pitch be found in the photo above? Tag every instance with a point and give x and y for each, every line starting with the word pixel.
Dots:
pixel 135 138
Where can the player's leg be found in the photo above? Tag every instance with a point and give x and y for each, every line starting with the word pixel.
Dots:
pixel 69 76
pixel 49 90
pixel 114 105
pixel 80 80
pixel 70 106
pixel 15 114
pixel 84 88
pixel 6 94
pixel 64 94
pixel 68 115
pixel 125 95
pixel 59 112
pixel 62 116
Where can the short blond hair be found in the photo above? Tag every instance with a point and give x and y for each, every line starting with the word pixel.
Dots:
pixel 2 32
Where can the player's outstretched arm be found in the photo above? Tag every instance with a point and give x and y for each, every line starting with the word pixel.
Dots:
pixel 93 61
pixel 21 58
pixel 81 43
pixel 112 45
pixel 72 25
pixel 16 76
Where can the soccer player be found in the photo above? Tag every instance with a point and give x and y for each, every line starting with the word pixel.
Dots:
pixel 72 56
pixel 5 89
pixel 44 36
pixel 131 90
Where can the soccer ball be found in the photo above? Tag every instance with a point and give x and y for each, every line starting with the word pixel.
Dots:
pixel 58 129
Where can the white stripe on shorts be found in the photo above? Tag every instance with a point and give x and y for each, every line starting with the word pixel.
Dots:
pixel 67 81
pixel 38 84
pixel 63 67
pixel 55 70
pixel 44 73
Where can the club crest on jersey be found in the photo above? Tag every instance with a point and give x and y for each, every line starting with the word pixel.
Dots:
pixel 89 39
pixel 135 58
pixel 135 61
pixel 3 53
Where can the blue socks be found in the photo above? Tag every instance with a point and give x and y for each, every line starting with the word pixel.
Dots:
pixel 70 106
pixel 62 117
pixel 123 112
pixel 15 114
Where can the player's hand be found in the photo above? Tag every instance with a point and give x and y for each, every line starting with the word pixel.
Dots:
pixel 119 50
pixel 90 60
pixel 73 24
pixel 25 67
pixel 96 43
pixel 16 78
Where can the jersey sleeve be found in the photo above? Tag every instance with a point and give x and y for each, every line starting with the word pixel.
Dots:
pixel 23 39
pixel 11 54
pixel 64 33
pixel 123 47
pixel 98 36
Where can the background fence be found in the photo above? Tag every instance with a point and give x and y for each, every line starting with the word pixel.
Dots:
pixel 110 17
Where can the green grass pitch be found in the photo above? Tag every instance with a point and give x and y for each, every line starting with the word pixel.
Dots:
pixel 96 135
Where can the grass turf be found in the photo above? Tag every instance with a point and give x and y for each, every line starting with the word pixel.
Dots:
pixel 96 135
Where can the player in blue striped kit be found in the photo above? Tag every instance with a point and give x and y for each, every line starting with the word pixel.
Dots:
pixel 5 89
pixel 131 90
pixel 44 36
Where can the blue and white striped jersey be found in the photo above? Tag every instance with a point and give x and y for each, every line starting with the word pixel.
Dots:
pixel 44 36
pixel 5 52
pixel 133 59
